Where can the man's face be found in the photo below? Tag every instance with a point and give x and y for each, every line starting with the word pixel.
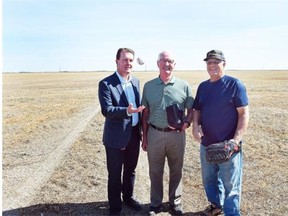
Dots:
pixel 125 63
pixel 215 68
pixel 166 64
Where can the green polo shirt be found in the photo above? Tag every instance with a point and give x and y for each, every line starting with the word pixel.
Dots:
pixel 157 96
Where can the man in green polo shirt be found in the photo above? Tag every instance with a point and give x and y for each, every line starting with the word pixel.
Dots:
pixel 162 140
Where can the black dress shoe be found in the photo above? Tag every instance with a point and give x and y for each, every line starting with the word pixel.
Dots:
pixel 176 209
pixel 155 210
pixel 133 204
pixel 114 212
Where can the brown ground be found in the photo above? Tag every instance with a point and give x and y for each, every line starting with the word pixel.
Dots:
pixel 54 161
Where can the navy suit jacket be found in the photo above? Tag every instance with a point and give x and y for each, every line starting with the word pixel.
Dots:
pixel 114 103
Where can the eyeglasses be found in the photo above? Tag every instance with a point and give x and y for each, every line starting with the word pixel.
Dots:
pixel 209 62
pixel 169 61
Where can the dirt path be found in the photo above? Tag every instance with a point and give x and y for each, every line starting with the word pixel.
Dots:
pixel 71 179
pixel 20 189
pixel 75 181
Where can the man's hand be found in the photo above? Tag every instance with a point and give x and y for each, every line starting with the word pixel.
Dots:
pixel 185 126
pixel 131 109
pixel 144 145
pixel 197 133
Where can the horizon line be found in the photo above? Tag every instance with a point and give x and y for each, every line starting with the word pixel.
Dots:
pixel 99 71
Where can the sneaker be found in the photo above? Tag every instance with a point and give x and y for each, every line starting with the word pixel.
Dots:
pixel 154 210
pixel 176 209
pixel 212 210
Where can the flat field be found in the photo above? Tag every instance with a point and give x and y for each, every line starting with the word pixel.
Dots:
pixel 54 161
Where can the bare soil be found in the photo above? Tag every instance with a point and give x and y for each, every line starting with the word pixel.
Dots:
pixel 54 161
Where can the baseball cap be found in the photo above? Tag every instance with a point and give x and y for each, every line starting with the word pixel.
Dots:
pixel 216 54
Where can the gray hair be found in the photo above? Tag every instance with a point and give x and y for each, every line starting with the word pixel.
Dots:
pixel 161 54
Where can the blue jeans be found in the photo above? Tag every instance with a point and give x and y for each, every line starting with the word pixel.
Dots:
pixel 223 182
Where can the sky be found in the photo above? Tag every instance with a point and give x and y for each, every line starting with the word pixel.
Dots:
pixel 84 35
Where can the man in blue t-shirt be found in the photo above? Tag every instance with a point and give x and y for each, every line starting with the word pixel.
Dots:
pixel 221 113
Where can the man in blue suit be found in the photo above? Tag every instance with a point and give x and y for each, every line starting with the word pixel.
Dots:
pixel 119 96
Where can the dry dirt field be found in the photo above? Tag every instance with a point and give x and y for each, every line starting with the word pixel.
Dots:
pixel 54 161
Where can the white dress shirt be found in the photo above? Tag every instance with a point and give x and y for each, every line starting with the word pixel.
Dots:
pixel 130 95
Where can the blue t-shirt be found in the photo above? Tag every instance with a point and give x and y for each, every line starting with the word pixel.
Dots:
pixel 217 102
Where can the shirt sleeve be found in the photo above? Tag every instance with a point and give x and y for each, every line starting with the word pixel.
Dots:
pixel 241 95
pixel 196 104
pixel 144 101
pixel 190 99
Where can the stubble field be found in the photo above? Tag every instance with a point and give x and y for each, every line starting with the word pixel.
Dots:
pixel 54 161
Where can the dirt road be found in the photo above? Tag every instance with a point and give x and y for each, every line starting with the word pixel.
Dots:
pixel 69 175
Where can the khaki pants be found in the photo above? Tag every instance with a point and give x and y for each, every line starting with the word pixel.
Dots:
pixel 162 145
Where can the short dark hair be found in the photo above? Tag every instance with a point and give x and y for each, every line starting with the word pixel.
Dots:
pixel 124 49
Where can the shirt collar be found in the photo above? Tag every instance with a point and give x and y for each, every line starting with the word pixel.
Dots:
pixel 122 80
pixel 159 81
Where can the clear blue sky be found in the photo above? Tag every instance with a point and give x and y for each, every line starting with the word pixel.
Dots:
pixel 73 35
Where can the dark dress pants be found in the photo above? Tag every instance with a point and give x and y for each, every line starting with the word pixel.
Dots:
pixel 117 160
